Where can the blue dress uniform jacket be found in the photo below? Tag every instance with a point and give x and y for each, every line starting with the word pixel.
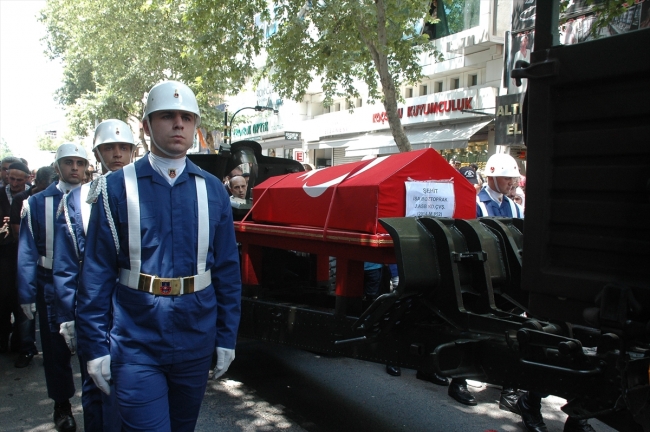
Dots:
pixel 69 252
pixel 35 286
pixel 99 410
pixel 494 209
pixel 138 327
pixel 31 248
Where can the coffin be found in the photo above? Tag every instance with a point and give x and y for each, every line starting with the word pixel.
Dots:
pixel 354 196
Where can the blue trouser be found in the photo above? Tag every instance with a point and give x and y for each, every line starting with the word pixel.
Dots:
pixel 372 283
pixel 26 330
pixel 160 398
pixel 56 356
pixel 100 410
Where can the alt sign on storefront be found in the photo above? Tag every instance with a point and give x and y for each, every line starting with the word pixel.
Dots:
pixel 508 128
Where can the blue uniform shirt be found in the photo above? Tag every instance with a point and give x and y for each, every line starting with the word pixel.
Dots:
pixel 137 327
pixel 31 246
pixel 493 207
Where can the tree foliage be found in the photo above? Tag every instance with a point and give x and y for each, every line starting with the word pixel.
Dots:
pixel 4 149
pixel 47 143
pixel 114 51
pixel 341 42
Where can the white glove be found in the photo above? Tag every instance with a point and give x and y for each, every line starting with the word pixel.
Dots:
pixel 225 356
pixel 68 333
pixel 28 310
pixel 99 370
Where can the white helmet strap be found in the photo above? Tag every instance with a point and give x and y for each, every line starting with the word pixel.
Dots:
pixel 98 154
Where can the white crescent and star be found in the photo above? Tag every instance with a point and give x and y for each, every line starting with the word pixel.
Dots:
pixel 319 189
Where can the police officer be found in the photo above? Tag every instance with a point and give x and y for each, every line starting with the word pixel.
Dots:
pixel 160 288
pixel 113 146
pixel 35 286
pixel 501 170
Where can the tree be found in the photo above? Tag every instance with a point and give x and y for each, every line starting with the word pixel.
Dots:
pixel 47 143
pixel 340 41
pixel 4 149
pixel 113 52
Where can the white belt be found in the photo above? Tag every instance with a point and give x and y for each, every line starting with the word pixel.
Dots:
pixel 166 286
pixel 45 262
pixel 154 284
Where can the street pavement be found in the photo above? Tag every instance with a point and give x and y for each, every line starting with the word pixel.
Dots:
pixel 272 387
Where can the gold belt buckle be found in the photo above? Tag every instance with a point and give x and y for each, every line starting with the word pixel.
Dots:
pixel 188 283
pixel 166 286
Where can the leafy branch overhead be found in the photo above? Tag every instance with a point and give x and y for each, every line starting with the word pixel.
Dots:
pixel 114 51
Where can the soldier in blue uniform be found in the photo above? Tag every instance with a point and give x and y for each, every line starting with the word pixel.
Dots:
pixel 113 146
pixel 35 287
pixel 501 170
pixel 160 287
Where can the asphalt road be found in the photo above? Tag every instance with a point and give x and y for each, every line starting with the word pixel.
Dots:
pixel 275 388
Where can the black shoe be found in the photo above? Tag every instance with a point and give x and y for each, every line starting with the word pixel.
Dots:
pixel 458 390
pixel 63 420
pixel 393 370
pixel 573 425
pixel 531 416
pixel 432 377
pixel 24 360
pixel 508 400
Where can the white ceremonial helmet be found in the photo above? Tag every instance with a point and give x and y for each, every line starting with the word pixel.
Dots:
pixel 171 95
pixel 70 150
pixel 112 131
pixel 501 165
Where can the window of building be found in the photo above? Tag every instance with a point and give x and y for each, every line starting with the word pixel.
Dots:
pixel 438 86
pixel 409 92
pixel 424 90
pixel 472 80
pixel 337 107
pixel 454 16
pixel 351 105
pixel 359 102
pixel 454 83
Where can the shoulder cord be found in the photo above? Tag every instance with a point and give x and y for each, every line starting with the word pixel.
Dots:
pixel 26 212
pixel 63 208
pixel 97 188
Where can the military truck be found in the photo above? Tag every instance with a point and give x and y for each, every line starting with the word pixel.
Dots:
pixel 559 304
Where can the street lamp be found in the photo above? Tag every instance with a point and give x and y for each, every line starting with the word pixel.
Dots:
pixel 228 128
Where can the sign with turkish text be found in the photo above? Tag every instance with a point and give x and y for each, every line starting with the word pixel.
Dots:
pixel 430 198
pixel 508 123
pixel 292 136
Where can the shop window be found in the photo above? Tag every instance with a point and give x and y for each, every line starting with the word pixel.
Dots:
pixel 472 80
pixel 438 86
pixel 455 83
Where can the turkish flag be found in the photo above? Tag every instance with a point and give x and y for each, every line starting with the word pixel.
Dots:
pixel 354 196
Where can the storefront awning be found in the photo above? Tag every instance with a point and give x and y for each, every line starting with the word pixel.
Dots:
pixel 336 143
pixel 439 138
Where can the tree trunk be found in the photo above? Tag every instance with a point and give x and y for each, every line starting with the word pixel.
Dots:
pixel 209 140
pixel 387 84
pixel 143 141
